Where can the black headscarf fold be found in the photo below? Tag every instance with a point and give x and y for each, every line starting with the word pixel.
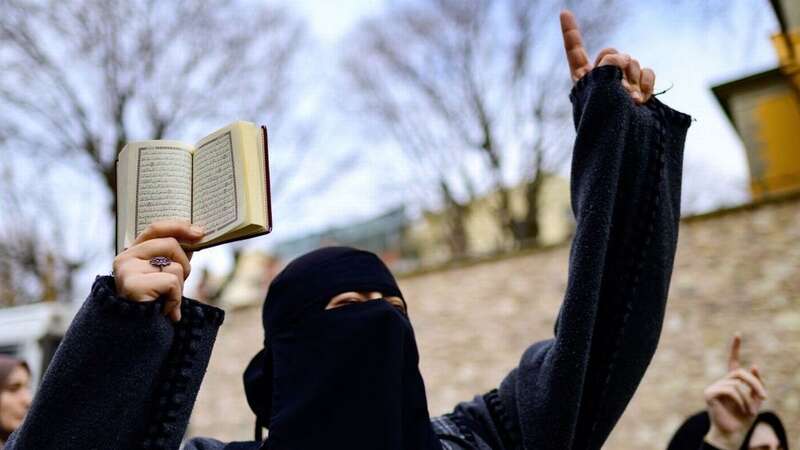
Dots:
pixel 691 433
pixel 340 378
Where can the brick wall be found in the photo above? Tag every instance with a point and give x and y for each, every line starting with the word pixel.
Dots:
pixel 735 270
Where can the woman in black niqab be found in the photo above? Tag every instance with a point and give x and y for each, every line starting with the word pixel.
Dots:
pixel 338 378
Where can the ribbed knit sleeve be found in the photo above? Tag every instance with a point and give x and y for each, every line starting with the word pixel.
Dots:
pixel 124 376
pixel 569 392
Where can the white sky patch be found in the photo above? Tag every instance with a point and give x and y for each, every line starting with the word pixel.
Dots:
pixel 330 20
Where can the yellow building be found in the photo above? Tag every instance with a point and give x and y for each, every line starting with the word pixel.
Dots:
pixel 485 236
pixel 765 110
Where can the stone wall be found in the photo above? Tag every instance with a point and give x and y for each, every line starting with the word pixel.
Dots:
pixel 735 270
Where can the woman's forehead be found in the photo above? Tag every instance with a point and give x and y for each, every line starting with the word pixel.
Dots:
pixel 763 435
pixel 18 374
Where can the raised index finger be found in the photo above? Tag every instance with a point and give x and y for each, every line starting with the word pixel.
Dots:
pixel 181 230
pixel 733 358
pixel 577 57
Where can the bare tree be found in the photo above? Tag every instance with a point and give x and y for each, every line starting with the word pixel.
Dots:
pixel 81 78
pixel 34 260
pixel 473 91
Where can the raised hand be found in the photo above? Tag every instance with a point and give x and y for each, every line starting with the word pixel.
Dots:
pixel 137 280
pixel 733 401
pixel 637 81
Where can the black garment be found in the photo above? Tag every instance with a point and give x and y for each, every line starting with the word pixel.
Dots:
pixel 566 393
pixel 771 419
pixel 315 286
pixel 570 391
pixel 124 377
pixel 349 374
pixel 691 433
pixel 689 436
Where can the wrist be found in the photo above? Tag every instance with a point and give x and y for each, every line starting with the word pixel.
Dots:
pixel 724 441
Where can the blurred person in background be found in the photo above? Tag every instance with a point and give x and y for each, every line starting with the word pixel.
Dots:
pixel 15 395
pixel 732 420
pixel 339 367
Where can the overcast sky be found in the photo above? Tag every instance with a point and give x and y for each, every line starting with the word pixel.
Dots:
pixel 686 53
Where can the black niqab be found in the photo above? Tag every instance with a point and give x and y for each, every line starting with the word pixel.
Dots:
pixel 340 378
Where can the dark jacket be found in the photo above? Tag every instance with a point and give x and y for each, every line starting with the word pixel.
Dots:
pixel 126 378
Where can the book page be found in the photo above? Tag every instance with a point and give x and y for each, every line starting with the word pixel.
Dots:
pixel 124 204
pixel 163 184
pixel 253 153
pixel 215 197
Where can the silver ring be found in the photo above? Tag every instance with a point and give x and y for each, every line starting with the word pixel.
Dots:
pixel 160 262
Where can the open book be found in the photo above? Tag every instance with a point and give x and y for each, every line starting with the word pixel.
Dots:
pixel 220 183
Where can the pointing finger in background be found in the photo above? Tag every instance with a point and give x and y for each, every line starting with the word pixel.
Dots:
pixel 733 358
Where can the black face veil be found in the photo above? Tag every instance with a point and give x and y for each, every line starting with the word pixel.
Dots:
pixel 339 378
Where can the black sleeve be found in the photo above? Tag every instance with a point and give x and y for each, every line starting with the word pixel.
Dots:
pixel 124 377
pixel 707 446
pixel 213 444
pixel 690 435
pixel 568 392
pixel 203 444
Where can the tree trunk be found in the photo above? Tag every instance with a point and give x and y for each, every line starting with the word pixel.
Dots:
pixel 7 291
pixel 110 178
pixel 455 213
pixel 505 218
pixel 530 227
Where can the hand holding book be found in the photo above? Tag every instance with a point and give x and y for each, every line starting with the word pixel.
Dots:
pixel 138 280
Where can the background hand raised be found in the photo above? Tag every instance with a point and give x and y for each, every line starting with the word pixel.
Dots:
pixel 733 401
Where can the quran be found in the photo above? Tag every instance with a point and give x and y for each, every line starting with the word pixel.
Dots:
pixel 220 183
